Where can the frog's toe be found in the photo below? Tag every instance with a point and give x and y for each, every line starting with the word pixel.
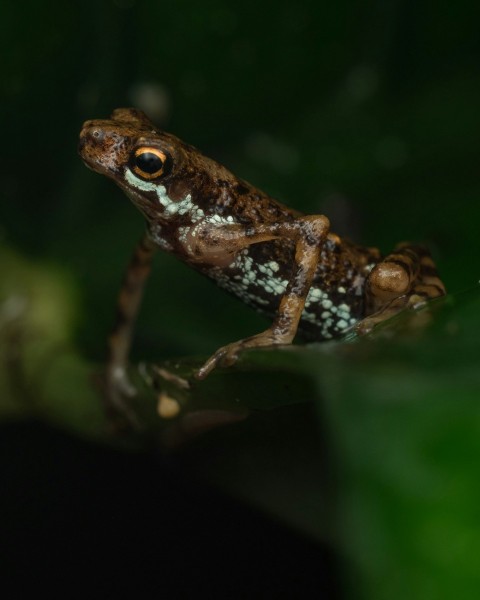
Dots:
pixel 118 380
pixel 223 357
pixel 365 326
pixel 206 368
pixel 119 392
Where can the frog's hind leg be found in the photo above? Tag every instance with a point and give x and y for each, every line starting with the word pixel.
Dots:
pixel 428 284
pixel 405 278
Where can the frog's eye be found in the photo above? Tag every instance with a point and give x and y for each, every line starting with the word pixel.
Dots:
pixel 150 163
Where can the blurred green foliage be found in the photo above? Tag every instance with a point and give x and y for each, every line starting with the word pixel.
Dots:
pixel 366 111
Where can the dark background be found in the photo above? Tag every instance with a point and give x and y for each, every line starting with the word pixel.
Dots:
pixel 366 111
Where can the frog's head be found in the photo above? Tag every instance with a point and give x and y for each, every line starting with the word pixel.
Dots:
pixel 154 168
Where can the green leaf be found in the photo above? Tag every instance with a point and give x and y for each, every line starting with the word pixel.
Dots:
pixel 404 423
pixel 370 443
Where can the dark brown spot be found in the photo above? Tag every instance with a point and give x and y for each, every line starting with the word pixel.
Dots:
pixel 241 189
pixel 428 271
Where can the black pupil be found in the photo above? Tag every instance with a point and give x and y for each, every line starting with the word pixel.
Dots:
pixel 149 162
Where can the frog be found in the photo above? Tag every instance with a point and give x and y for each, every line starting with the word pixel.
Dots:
pixel 283 263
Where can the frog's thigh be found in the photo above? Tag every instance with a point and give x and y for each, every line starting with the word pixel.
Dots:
pixel 392 278
pixel 428 284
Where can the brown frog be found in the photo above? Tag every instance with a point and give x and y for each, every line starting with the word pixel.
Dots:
pixel 284 264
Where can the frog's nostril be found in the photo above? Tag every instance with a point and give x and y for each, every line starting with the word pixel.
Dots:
pixel 96 133
pixel 92 132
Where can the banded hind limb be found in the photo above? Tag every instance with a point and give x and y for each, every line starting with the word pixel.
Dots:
pixel 407 278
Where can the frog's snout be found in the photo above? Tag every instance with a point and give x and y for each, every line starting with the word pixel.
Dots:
pixel 91 134
pixel 89 144
pixel 98 145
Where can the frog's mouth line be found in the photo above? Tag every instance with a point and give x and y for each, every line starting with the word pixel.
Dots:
pixel 97 167
pixel 84 155
pixel 94 163
pixel 88 164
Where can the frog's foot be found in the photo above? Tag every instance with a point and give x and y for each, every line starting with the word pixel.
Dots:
pixel 413 302
pixel 368 324
pixel 228 355
pixel 119 392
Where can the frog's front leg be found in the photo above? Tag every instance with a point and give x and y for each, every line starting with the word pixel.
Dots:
pixel 309 234
pixel 118 387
